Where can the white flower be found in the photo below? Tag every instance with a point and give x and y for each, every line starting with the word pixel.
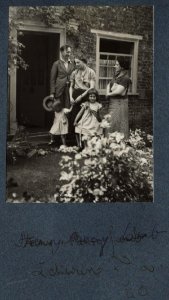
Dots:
pixel 96 192
pixel 104 141
pixel 107 117
pixel 89 162
pixel 115 146
pixel 78 156
pixel 104 124
pixel 98 145
pixel 85 152
pixel 149 137
pixel 102 189
pixel 93 140
pixel 107 151
pixel 119 137
pixel 140 152
pixel 16 201
pixel 65 149
pixel 90 191
pixel 84 138
pixel 66 176
pixel 123 151
pixel 66 158
pixel 113 134
pixel 104 160
pixel 143 161
pixel 62 147
pixel 101 193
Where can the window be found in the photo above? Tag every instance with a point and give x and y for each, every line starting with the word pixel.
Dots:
pixel 110 50
pixel 109 46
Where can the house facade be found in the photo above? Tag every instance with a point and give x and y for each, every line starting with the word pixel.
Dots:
pixel 115 31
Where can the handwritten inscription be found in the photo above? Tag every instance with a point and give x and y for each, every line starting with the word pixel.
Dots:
pixel 63 270
pixel 131 234
pixel 133 293
pixel 110 245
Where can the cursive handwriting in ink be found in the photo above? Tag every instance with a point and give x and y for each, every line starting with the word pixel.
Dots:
pixel 64 270
pixel 129 293
pixel 133 292
pixel 76 239
pixel 131 234
pixel 124 259
pixel 142 291
pixel 155 232
pixel 26 240
pixel 148 268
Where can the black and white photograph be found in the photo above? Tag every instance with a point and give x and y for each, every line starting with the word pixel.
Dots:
pixel 80 104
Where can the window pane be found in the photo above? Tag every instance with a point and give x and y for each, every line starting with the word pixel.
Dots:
pixel 103 83
pixel 108 45
pixel 106 70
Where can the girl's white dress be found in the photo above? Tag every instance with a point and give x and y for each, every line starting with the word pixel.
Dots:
pixel 88 124
pixel 60 123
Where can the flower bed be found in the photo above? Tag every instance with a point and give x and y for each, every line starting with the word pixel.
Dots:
pixel 110 169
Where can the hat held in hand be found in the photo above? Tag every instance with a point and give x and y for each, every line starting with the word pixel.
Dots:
pixel 48 103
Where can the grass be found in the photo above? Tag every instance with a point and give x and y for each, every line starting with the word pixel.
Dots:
pixel 36 176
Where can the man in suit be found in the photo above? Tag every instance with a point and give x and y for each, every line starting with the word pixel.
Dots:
pixel 60 76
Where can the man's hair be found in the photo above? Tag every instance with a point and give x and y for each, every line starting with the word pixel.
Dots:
pixel 64 47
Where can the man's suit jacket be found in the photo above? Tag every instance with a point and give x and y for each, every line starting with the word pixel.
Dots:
pixel 59 76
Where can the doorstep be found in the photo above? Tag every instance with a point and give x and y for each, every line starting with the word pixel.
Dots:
pixel 33 137
pixel 38 139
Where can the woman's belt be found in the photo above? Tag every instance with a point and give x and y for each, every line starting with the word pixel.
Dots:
pixel 119 97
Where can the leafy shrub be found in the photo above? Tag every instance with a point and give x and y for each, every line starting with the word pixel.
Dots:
pixel 110 169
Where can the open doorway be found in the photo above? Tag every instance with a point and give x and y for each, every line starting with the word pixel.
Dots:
pixel 41 50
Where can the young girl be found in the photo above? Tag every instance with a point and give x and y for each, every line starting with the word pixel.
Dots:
pixel 60 124
pixel 87 121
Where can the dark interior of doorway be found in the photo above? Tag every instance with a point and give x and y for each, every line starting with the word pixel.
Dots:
pixel 39 52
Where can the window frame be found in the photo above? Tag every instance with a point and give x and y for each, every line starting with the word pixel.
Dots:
pixel 123 37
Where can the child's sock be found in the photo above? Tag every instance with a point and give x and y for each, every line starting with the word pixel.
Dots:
pixel 51 140
pixel 63 137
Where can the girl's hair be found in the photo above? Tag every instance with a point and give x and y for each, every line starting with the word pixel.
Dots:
pixel 57 104
pixel 94 91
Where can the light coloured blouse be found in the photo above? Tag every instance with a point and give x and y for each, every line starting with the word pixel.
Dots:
pixel 81 78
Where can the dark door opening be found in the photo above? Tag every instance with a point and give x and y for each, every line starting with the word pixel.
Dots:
pixel 33 84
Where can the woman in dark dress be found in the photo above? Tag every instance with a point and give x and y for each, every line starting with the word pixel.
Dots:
pixel 117 91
